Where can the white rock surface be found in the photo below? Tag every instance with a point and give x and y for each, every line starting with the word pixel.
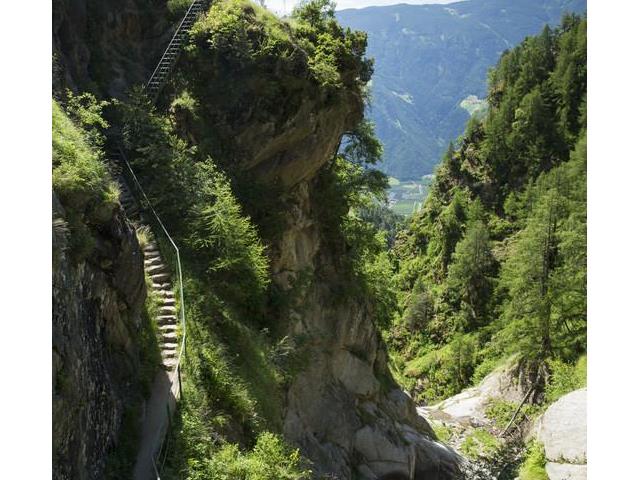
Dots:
pixel 468 407
pixel 566 471
pixel 563 429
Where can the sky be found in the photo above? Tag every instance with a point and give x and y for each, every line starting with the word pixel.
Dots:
pixel 285 6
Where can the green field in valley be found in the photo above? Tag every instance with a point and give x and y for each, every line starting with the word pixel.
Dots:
pixel 407 197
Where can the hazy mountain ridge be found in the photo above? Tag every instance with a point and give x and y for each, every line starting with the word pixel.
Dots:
pixel 429 58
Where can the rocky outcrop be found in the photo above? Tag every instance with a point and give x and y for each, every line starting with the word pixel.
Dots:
pixel 468 408
pixel 96 311
pixel 106 47
pixel 464 417
pixel 562 430
pixel 344 411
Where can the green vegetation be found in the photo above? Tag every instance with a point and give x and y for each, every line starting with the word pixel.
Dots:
pixel 566 378
pixel 480 443
pixel 177 8
pixel 406 198
pixel 443 432
pixel 494 265
pixel 240 59
pixel 533 466
pixel 501 412
pixel 80 178
pixel 430 61
pixel 89 196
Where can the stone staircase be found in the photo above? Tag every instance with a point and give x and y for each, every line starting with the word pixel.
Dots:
pixel 170 57
pixel 157 270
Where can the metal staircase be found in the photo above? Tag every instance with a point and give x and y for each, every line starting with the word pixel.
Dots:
pixel 170 57
pixel 161 249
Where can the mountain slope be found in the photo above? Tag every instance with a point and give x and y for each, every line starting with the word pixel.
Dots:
pixel 429 58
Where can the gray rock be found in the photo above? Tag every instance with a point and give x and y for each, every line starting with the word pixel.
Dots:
pixel 95 358
pixel 566 471
pixel 355 374
pixel 563 429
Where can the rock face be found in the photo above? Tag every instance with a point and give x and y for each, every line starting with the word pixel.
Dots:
pixel 562 430
pixel 96 308
pixel 465 413
pixel 344 410
pixel 468 407
pixel 107 47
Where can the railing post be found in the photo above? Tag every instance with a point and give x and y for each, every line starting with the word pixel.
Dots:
pixel 168 417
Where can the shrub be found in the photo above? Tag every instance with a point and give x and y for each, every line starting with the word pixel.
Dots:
pixel 480 443
pixel 270 459
pixel 235 257
pixel 566 378
pixel 443 432
pixel 533 466
pixel 177 8
pixel 447 369
pixel 501 411
pixel 81 181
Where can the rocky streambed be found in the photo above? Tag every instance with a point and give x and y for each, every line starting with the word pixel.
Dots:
pixel 474 423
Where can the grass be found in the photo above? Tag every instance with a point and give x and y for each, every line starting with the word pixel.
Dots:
pixel 566 378
pixel 443 432
pixel 82 182
pixel 144 236
pixel 407 197
pixel 501 411
pixel 177 8
pixel 480 444
pixel 80 177
pixel 534 463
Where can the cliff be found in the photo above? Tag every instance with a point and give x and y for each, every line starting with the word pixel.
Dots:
pixel 96 311
pixel 280 127
pixel 105 47
pixel 99 369
pixel 270 101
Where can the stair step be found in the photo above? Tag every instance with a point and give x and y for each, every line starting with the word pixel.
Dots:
pixel 168 310
pixel 169 346
pixel 157 268
pixel 156 260
pixel 167 327
pixel 166 319
pixel 159 277
pixel 168 353
pixel 150 247
pixel 160 286
pixel 169 336
pixel 169 363
pixel 151 253
pixel 169 301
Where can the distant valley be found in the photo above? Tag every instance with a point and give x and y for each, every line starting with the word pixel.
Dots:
pixel 431 64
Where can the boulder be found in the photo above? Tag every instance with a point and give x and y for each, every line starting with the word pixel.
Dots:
pixel 563 429
pixel 566 471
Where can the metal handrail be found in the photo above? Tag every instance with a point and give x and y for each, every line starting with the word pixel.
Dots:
pixel 175 35
pixel 175 247
pixel 175 378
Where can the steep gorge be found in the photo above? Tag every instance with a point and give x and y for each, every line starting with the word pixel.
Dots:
pixel 273 123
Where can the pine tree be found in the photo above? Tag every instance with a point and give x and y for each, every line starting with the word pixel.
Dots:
pixel 469 276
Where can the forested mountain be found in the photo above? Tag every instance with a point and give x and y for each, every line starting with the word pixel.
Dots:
pixel 494 265
pixel 429 59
